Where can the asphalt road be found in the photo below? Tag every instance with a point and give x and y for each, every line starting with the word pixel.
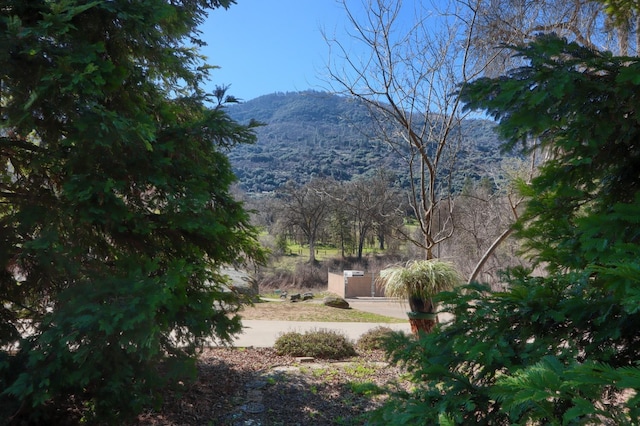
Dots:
pixel 258 333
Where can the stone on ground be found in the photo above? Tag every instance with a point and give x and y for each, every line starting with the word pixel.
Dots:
pixel 335 302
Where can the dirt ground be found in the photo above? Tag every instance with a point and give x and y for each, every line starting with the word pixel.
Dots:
pixel 255 386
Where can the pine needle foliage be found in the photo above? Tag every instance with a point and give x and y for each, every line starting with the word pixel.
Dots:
pixel 116 214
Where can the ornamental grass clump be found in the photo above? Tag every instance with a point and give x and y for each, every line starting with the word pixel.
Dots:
pixel 418 282
pixel 421 279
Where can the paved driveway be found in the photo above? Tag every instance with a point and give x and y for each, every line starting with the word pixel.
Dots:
pixel 259 333
pixel 380 305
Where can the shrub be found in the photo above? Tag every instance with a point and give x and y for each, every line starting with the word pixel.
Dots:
pixel 269 278
pixel 117 210
pixel 375 338
pixel 316 343
pixel 310 275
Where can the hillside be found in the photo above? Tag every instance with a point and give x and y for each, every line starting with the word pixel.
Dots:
pixel 311 134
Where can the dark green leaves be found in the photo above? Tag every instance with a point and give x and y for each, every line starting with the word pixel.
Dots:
pixel 579 106
pixel 117 213
pixel 560 347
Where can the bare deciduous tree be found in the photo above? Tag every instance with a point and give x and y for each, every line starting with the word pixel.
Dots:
pixel 406 65
pixel 515 22
pixel 485 213
pixel 389 207
pixel 305 208
pixel 370 205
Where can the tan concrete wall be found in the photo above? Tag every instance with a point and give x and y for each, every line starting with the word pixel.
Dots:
pixel 354 287
pixel 336 284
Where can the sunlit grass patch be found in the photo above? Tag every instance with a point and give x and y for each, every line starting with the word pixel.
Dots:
pixel 310 311
pixel 365 388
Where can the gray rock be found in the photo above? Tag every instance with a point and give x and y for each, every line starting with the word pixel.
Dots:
pixel 335 302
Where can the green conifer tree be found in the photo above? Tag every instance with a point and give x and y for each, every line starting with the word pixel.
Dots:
pixel 115 210
pixel 561 348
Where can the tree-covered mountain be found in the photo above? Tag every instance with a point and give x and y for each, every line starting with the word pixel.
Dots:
pixel 311 133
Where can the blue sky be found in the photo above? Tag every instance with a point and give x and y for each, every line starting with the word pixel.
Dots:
pixel 271 46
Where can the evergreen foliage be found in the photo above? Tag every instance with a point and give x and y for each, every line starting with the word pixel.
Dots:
pixel 115 210
pixel 563 348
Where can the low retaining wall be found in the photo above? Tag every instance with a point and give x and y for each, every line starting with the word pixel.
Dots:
pixel 358 286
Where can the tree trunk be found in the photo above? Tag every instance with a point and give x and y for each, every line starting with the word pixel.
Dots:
pixel 422 317
pixel 360 248
pixel 312 251
pixel 489 252
pixel 418 304
pixel 421 325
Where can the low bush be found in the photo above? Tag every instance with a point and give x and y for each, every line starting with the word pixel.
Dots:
pixel 325 344
pixel 375 338
pixel 272 278
pixel 310 275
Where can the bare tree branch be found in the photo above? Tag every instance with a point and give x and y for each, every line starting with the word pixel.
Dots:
pixel 408 75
